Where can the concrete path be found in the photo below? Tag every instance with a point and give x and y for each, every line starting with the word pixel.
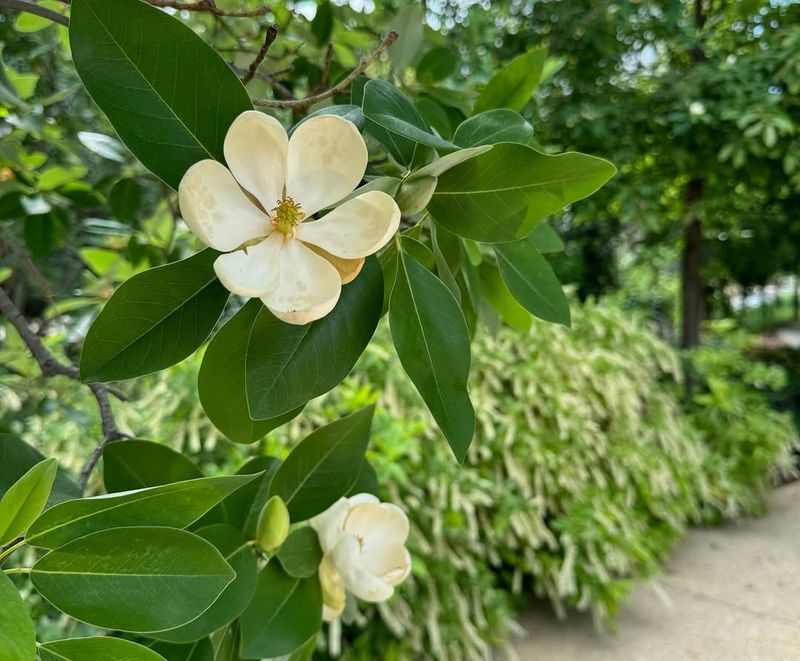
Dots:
pixel 728 594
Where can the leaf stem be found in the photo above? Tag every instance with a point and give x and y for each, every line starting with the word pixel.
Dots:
pixel 17 570
pixel 10 549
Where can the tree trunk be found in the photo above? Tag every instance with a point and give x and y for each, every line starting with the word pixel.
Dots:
pixel 691 276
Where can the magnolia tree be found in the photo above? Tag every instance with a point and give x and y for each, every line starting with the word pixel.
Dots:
pixel 344 206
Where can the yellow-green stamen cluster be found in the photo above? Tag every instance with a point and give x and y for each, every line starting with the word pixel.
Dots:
pixel 286 215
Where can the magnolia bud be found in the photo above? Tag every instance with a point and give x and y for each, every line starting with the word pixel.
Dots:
pixel 273 524
pixel 414 196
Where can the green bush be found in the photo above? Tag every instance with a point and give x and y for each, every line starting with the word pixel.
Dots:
pixel 585 470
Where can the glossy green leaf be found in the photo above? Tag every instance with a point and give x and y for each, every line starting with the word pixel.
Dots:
pixel 99 648
pixel 287 365
pixel 234 599
pixel 222 381
pixel 136 464
pixel 441 165
pixel 531 280
pixel 503 194
pixel 17 636
pixel 366 482
pixel 17 458
pixel 150 73
pixel 323 466
pixel 301 554
pixel 175 505
pixel 244 505
pixel 433 344
pixel 199 650
pixel 496 292
pixel 493 126
pixel 25 500
pixel 389 108
pixel 437 64
pixel 138 579
pixel 401 149
pixel 409 24
pixel 154 320
pixel 284 614
pixel 545 239
pixel 513 86
pixel 349 112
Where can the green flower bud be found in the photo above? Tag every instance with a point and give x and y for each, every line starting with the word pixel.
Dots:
pixel 414 196
pixel 273 524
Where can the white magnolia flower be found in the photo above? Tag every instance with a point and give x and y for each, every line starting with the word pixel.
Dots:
pixel 363 541
pixel 259 211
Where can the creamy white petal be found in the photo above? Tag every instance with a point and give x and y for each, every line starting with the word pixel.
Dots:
pixel 330 523
pixel 378 523
pixel 358 579
pixel 391 562
pixel 253 271
pixel 357 228
pixel 348 268
pixel 255 148
pixel 216 209
pixel 327 158
pixel 308 285
pixel 330 614
pixel 360 499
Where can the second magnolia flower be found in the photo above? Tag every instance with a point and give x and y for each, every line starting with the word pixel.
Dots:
pixel 259 212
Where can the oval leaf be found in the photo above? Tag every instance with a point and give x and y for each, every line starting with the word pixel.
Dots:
pixel 25 500
pixel 16 628
pixel 201 650
pixel 17 458
pixel 323 466
pixel 513 86
pixel 222 381
pixel 432 342
pixel 137 464
pixel 301 553
pixel 133 579
pixel 154 320
pixel 96 649
pixel 503 194
pixel 287 365
pixel 493 126
pixel 175 505
pixel 284 614
pixel 151 74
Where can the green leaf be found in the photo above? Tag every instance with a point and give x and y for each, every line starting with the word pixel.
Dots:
pixel 532 282
pixel 441 165
pixel 301 553
pixel 496 292
pixel 133 579
pixel 389 108
pixel 125 200
pixel 16 629
pixel 154 320
pixel 25 500
pixel 493 126
pixel 151 75
pixel 409 23
pixel 503 194
pixel 437 64
pixel 545 239
pixel 234 599
pixel 222 381
pixel 100 648
pixel 432 342
pixel 287 365
pixel 28 22
pixel 244 506
pixel 366 482
pixel 349 112
pixel 323 466
pixel 322 24
pixel 284 614
pixel 136 464
pixel 17 458
pixel 199 650
pixel 175 505
pixel 513 86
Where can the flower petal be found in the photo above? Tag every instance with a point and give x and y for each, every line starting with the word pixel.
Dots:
pixel 251 272
pixel 348 561
pixel 255 149
pixel 357 228
pixel 308 285
pixel 327 158
pixel 348 268
pixel 377 524
pixel 216 209
pixel 390 562
pixel 330 524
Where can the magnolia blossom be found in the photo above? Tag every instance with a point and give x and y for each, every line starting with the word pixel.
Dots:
pixel 258 211
pixel 363 544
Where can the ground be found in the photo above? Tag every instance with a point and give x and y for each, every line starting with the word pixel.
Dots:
pixel 728 593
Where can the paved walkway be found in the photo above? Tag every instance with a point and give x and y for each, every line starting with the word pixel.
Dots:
pixel 728 594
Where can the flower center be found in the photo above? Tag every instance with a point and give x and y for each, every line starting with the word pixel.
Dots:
pixel 286 216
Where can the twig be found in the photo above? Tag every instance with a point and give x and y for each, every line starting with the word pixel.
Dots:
pixel 326 70
pixel 339 87
pixel 51 366
pixel 269 38
pixel 31 8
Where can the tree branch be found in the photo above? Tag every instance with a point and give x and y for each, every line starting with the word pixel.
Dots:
pixel 31 8
pixel 51 366
pixel 339 87
pixel 269 38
